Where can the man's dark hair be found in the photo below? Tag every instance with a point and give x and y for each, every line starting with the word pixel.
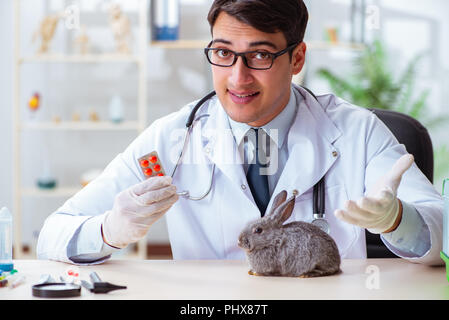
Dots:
pixel 287 16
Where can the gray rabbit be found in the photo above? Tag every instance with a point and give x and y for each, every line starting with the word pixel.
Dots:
pixel 296 249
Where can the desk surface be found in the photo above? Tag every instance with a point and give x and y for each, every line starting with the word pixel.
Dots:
pixel 228 280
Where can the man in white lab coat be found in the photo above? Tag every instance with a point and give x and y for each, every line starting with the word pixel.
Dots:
pixel 371 182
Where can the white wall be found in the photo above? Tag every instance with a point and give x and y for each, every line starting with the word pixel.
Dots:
pixel 175 77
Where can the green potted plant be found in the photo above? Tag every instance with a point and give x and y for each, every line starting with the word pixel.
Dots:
pixel 373 85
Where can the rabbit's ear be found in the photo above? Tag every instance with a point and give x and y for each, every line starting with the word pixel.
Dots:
pixel 278 200
pixel 284 211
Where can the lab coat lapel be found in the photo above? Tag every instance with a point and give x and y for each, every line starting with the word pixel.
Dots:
pixel 310 146
pixel 220 146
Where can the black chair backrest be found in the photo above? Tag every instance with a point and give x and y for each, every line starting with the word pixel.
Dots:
pixel 411 133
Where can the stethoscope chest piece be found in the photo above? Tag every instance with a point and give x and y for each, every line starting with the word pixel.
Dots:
pixel 322 224
pixel 319 207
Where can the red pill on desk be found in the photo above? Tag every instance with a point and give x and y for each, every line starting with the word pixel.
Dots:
pixel 72 273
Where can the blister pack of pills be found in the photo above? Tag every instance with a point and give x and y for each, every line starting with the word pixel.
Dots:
pixel 151 165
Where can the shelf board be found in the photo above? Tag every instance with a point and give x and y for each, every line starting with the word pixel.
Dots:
pixel 79 58
pixel 180 44
pixel 324 45
pixel 81 125
pixel 54 193
pixel 200 44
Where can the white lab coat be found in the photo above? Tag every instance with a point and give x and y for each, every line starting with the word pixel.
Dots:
pixel 348 144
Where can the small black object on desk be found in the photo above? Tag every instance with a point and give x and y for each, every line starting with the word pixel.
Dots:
pixel 99 286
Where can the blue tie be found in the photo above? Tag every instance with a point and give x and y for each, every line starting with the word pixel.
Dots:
pixel 257 181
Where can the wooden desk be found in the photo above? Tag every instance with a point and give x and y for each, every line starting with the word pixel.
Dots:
pixel 229 280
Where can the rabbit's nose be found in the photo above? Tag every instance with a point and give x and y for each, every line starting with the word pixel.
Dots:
pixel 240 242
pixel 243 242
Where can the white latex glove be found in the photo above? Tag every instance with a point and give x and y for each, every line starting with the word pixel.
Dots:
pixel 379 210
pixel 136 209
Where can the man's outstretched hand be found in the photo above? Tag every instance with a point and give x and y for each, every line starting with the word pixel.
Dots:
pixel 380 211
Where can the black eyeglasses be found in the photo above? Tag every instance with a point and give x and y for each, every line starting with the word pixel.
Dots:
pixel 258 60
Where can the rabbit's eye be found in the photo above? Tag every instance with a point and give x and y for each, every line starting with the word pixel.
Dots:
pixel 258 230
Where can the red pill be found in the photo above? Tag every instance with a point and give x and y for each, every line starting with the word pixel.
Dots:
pixel 157 168
pixel 153 159
pixel 160 174
pixel 148 172
pixel 144 163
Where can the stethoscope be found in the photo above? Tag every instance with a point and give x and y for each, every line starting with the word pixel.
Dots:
pixel 318 189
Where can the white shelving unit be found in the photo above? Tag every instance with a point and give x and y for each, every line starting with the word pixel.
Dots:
pixel 20 125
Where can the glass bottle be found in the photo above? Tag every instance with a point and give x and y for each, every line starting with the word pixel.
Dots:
pixel 6 263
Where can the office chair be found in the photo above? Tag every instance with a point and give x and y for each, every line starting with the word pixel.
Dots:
pixel 414 136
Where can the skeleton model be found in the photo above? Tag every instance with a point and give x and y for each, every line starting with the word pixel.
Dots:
pixel 46 31
pixel 121 28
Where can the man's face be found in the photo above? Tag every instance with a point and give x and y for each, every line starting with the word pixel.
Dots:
pixel 252 96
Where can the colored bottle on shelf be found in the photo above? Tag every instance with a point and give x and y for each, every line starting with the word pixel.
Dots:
pixel 6 263
pixel 165 15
